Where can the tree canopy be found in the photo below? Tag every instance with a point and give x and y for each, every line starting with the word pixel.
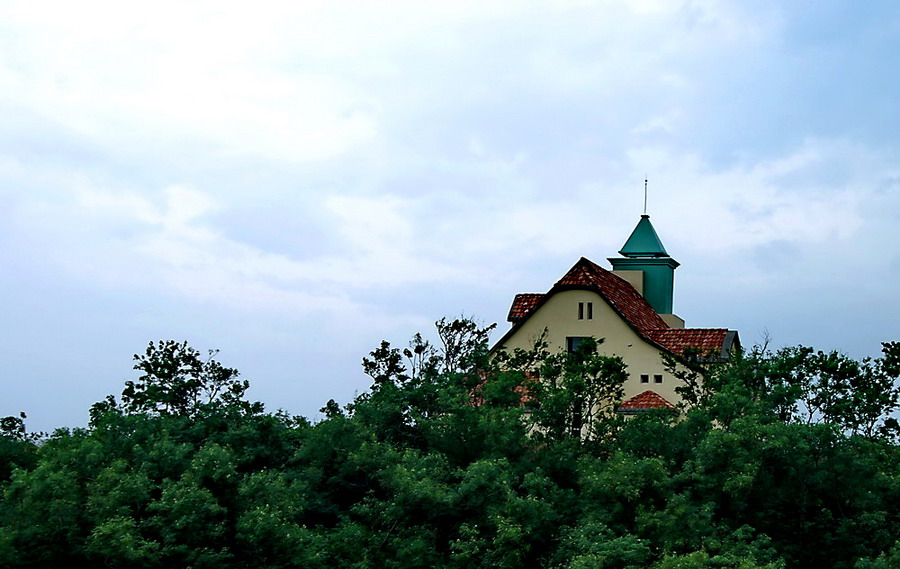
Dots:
pixel 456 459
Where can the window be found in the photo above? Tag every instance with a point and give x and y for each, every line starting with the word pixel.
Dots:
pixel 645 378
pixel 657 379
pixel 589 312
pixel 572 343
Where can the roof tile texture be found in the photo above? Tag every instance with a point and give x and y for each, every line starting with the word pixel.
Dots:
pixel 646 400
pixel 629 303
pixel 708 341
pixel 522 305
pixel 624 298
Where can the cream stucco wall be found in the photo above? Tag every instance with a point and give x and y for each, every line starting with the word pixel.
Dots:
pixel 674 321
pixel 559 315
pixel 634 278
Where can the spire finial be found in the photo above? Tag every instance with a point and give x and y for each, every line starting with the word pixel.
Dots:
pixel 645 194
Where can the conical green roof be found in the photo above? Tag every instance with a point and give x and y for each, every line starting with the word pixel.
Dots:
pixel 644 242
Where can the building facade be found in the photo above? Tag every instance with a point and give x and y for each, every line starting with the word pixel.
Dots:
pixel 630 309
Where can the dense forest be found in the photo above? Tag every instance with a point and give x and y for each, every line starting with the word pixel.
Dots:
pixel 779 458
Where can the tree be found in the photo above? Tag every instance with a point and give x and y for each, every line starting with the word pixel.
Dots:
pixel 455 459
pixel 568 393
pixel 14 428
pixel 801 385
pixel 423 381
pixel 17 445
pixel 176 380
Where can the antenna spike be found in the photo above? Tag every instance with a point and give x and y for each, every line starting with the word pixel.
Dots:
pixel 645 194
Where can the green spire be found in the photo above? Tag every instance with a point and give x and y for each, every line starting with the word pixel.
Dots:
pixel 644 242
pixel 645 252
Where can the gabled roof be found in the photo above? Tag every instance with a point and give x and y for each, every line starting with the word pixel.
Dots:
pixel 522 305
pixel 644 242
pixel 643 402
pixel 631 307
pixel 623 297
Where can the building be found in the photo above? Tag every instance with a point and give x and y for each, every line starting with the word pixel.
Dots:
pixel 630 309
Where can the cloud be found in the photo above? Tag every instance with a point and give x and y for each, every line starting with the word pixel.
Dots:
pixel 318 170
pixel 548 125
pixel 168 242
pixel 760 202
pixel 146 78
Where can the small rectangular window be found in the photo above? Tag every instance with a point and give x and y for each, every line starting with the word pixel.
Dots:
pixel 590 310
pixel 657 379
pixel 572 343
pixel 645 378
pixel 581 311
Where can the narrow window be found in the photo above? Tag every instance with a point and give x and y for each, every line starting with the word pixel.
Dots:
pixel 581 311
pixel 657 379
pixel 645 378
pixel 590 311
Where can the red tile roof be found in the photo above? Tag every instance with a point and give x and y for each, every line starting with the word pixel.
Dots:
pixel 644 402
pixel 707 341
pixel 522 305
pixel 623 297
pixel 630 305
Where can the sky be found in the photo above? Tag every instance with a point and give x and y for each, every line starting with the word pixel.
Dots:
pixel 292 182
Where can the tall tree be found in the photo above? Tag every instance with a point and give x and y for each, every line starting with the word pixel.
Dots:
pixel 177 380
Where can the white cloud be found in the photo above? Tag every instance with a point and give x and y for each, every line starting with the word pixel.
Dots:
pixel 338 165
pixel 661 123
pixel 147 77
pixel 307 81
pixel 168 242
pixel 749 205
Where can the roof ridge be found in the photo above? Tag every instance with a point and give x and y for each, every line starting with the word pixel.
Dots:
pixel 619 293
pixel 625 301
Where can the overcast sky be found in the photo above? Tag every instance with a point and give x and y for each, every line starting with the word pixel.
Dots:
pixel 292 182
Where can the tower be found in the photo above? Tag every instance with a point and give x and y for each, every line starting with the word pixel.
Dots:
pixel 647 266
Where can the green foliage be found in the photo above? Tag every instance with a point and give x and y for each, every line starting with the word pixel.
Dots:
pixel 887 560
pixel 803 386
pixel 17 445
pixel 455 459
pixel 14 428
pixel 592 545
pixel 569 395
pixel 176 380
